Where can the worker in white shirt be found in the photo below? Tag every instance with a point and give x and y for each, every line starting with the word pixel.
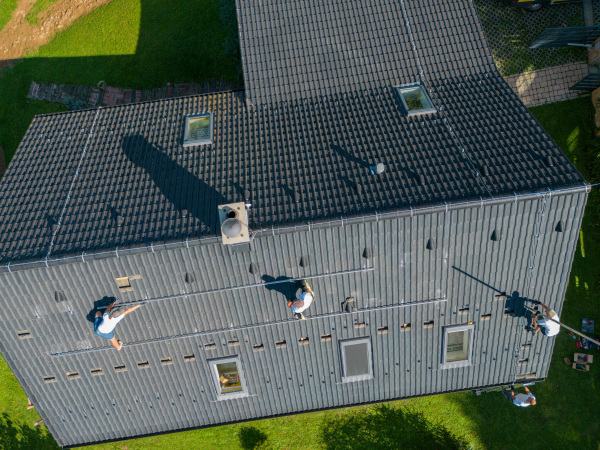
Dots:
pixel 301 304
pixel 105 323
pixel 550 327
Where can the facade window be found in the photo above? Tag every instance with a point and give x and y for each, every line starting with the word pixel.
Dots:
pixel 357 360
pixel 198 129
pixel 415 100
pixel 229 378
pixel 458 346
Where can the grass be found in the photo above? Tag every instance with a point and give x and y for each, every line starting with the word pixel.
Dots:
pixel 38 7
pixel 139 44
pixel 510 31
pixel 7 7
pixel 144 44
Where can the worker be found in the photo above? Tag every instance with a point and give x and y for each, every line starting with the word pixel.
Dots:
pixel 551 328
pixel 522 400
pixel 104 324
pixel 301 304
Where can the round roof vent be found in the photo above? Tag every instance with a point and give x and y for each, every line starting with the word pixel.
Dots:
pixel 231 227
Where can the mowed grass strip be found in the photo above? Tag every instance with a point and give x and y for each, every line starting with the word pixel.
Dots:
pixel 7 8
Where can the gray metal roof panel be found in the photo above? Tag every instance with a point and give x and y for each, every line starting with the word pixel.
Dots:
pixel 467 267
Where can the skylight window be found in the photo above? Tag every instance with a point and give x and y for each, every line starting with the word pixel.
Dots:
pixel 415 100
pixel 198 129
pixel 458 346
pixel 357 361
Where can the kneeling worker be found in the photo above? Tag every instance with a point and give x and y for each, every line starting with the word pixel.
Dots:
pixel 551 328
pixel 302 303
pixel 104 324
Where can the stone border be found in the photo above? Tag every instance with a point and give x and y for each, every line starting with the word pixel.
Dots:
pixel 548 85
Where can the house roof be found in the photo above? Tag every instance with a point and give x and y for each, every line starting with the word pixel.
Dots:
pixel 321 77
pixel 115 177
pixel 306 49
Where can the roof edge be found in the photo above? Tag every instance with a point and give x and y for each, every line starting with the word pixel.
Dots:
pixel 275 230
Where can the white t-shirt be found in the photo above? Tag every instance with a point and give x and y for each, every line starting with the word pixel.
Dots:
pixel 521 399
pixel 550 328
pixel 108 324
pixel 307 298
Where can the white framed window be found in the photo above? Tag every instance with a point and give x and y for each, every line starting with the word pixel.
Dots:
pixel 357 359
pixel 228 377
pixel 458 346
pixel 415 100
pixel 198 129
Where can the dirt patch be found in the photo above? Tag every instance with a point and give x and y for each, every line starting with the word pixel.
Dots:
pixel 19 36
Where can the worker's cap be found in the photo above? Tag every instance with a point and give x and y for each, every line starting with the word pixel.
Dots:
pixel 551 313
pixel 298 303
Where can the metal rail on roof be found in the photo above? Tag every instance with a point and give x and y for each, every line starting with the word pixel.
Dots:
pixel 248 286
pixel 246 327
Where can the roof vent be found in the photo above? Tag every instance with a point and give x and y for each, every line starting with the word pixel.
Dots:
pixel 367 253
pixel 254 269
pixel 431 244
pixel 485 171
pixel 303 261
pixel 234 223
pixel 496 235
pixel 297 196
pixel 120 220
pixel 189 278
pixel 549 161
pixel 560 226
pixel 358 188
pixel 184 213
pixel 420 179
pixel 378 169
pixel 246 196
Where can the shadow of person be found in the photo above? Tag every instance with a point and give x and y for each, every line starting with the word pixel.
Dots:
pixel 515 305
pixel 251 438
pixel 99 304
pixel 181 187
pixel 289 289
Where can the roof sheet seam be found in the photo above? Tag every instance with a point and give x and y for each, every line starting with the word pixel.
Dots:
pixel 64 208
pixel 440 110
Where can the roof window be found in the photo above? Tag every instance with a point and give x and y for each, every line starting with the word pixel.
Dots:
pixel 229 378
pixel 198 129
pixel 415 100
pixel 458 346
pixel 357 361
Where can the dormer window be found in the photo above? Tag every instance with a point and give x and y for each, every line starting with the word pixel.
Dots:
pixel 198 129
pixel 415 100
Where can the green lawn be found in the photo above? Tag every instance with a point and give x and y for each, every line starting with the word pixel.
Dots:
pixel 139 44
pixel 144 44
pixel 7 8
